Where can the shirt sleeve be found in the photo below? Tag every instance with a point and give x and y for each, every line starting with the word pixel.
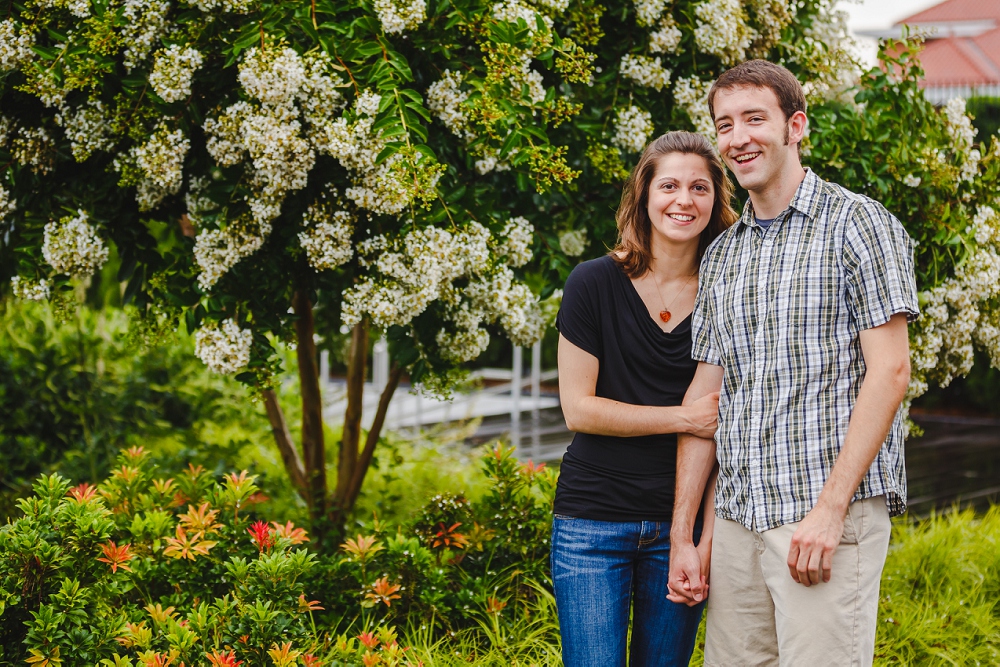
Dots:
pixel 577 319
pixel 878 260
pixel 703 347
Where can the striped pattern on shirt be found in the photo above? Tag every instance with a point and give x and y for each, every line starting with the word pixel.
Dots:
pixel 781 310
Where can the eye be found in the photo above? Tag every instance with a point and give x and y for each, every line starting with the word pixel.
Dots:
pixel 668 186
pixel 722 127
pixel 701 188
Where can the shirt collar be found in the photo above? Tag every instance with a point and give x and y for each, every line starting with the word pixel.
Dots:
pixel 806 200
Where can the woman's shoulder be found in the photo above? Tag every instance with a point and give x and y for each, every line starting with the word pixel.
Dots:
pixel 599 268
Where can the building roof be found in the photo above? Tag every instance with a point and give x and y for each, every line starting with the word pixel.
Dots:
pixel 964 47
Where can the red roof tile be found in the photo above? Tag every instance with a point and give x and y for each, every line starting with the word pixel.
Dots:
pixel 957 10
pixel 961 60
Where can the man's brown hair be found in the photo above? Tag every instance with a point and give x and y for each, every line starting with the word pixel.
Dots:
pixel 762 74
pixel 633 251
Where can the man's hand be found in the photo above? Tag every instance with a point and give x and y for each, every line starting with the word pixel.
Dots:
pixel 704 416
pixel 810 556
pixel 687 583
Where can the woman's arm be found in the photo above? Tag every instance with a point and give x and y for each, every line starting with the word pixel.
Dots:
pixel 587 413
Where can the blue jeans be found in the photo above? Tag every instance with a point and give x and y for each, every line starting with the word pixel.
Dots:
pixel 601 570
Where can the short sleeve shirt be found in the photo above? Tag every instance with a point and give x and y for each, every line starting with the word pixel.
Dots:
pixel 611 478
pixel 781 310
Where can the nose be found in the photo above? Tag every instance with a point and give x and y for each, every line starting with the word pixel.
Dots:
pixel 739 135
pixel 683 197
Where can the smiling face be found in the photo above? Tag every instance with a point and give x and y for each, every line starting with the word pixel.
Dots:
pixel 680 199
pixel 756 141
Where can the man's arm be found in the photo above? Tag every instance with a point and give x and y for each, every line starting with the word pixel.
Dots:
pixel 585 412
pixel 886 351
pixel 695 460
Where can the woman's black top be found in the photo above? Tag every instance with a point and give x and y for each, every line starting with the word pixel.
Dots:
pixel 607 477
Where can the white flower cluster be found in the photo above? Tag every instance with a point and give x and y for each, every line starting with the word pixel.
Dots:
pixel 78 8
pixel 388 187
pixel 30 290
pixel 198 204
pixel 554 7
pixel 224 347
pixel 72 246
pixel 960 313
pixel 512 10
pixel 327 236
pixel 410 274
pixel 491 161
pixel 398 16
pixel 15 45
pixel 274 76
pixel 963 134
pixel 633 126
pixel 87 127
pixel 515 241
pixel 647 12
pixel 911 180
pixel 645 70
pixel 722 30
pixel 145 23
pixel 691 95
pixel 573 242
pixel 959 124
pixel 667 39
pixel 33 147
pixel 269 132
pixel 445 98
pixel 7 205
pixel 211 6
pixel 770 17
pixel 216 251
pixel 318 97
pixel 826 51
pixel 173 69
pixel 161 161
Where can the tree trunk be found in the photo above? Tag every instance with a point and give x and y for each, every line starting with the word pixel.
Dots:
pixel 348 459
pixel 313 447
pixel 283 438
pixel 376 430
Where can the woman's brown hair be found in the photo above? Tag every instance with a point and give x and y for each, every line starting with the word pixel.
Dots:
pixel 633 251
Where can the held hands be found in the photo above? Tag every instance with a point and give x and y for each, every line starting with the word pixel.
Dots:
pixel 703 416
pixel 810 556
pixel 688 579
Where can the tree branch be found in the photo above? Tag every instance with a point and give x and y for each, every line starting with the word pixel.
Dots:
pixel 283 438
pixel 313 447
pixel 348 459
pixel 358 478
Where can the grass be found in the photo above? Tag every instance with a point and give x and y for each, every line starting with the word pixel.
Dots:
pixel 940 605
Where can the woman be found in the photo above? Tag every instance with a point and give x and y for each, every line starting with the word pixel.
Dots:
pixel 624 365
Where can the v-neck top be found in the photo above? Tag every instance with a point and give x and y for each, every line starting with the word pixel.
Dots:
pixel 612 478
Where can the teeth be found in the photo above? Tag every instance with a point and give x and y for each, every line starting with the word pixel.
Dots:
pixel 682 218
pixel 747 156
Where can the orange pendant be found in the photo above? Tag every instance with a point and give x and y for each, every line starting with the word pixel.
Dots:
pixel 665 315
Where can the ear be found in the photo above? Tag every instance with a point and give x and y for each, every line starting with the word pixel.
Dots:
pixel 797 125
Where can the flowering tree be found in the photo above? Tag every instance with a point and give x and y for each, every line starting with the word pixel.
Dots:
pixel 426 171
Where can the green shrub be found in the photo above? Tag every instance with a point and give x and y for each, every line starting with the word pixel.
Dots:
pixel 986 115
pixel 146 570
pixel 74 391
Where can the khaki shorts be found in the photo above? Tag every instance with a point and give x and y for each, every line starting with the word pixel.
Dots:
pixel 758 615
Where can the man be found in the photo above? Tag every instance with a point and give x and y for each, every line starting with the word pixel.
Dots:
pixel 801 321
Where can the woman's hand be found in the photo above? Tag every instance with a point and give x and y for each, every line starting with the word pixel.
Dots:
pixel 703 416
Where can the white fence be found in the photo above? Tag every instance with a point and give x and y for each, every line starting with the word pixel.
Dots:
pixel 506 393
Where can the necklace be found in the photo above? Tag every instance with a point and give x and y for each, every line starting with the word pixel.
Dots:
pixel 665 313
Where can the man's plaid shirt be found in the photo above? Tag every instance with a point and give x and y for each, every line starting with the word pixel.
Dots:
pixel 780 310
